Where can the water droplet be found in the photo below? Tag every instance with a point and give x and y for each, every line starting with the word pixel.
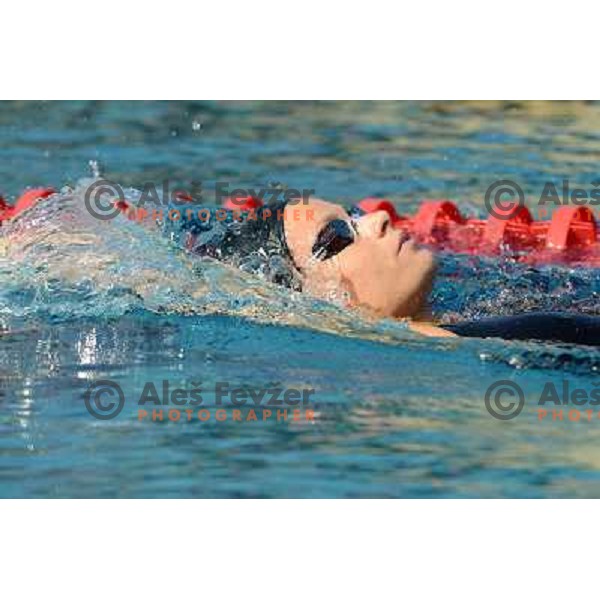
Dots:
pixel 94 166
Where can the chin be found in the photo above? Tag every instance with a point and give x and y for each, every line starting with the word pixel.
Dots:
pixel 424 260
pixel 415 305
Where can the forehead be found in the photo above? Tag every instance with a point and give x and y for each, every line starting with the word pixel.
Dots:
pixel 304 221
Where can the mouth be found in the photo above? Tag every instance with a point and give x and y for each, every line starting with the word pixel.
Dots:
pixel 402 239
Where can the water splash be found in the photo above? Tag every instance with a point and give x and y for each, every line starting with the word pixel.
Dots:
pixel 471 287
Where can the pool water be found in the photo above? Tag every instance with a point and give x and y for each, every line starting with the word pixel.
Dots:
pixel 395 414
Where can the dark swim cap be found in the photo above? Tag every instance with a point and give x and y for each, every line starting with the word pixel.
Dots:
pixel 253 241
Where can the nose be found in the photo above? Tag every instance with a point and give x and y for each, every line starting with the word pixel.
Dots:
pixel 374 224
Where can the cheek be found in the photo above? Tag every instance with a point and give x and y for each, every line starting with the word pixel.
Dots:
pixel 366 264
pixel 358 259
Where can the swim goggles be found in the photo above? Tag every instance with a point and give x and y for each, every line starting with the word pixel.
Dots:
pixel 336 236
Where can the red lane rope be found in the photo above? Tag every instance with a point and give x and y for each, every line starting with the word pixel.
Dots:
pixel 571 236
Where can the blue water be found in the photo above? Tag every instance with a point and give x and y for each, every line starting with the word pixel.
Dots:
pixel 397 415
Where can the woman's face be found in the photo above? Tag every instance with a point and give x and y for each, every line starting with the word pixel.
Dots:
pixel 380 269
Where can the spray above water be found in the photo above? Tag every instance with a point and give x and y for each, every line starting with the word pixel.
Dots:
pixel 95 170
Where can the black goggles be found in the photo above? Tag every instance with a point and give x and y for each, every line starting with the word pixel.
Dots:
pixel 336 236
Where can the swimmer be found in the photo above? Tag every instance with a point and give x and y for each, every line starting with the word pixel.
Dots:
pixel 328 252
pixel 357 259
